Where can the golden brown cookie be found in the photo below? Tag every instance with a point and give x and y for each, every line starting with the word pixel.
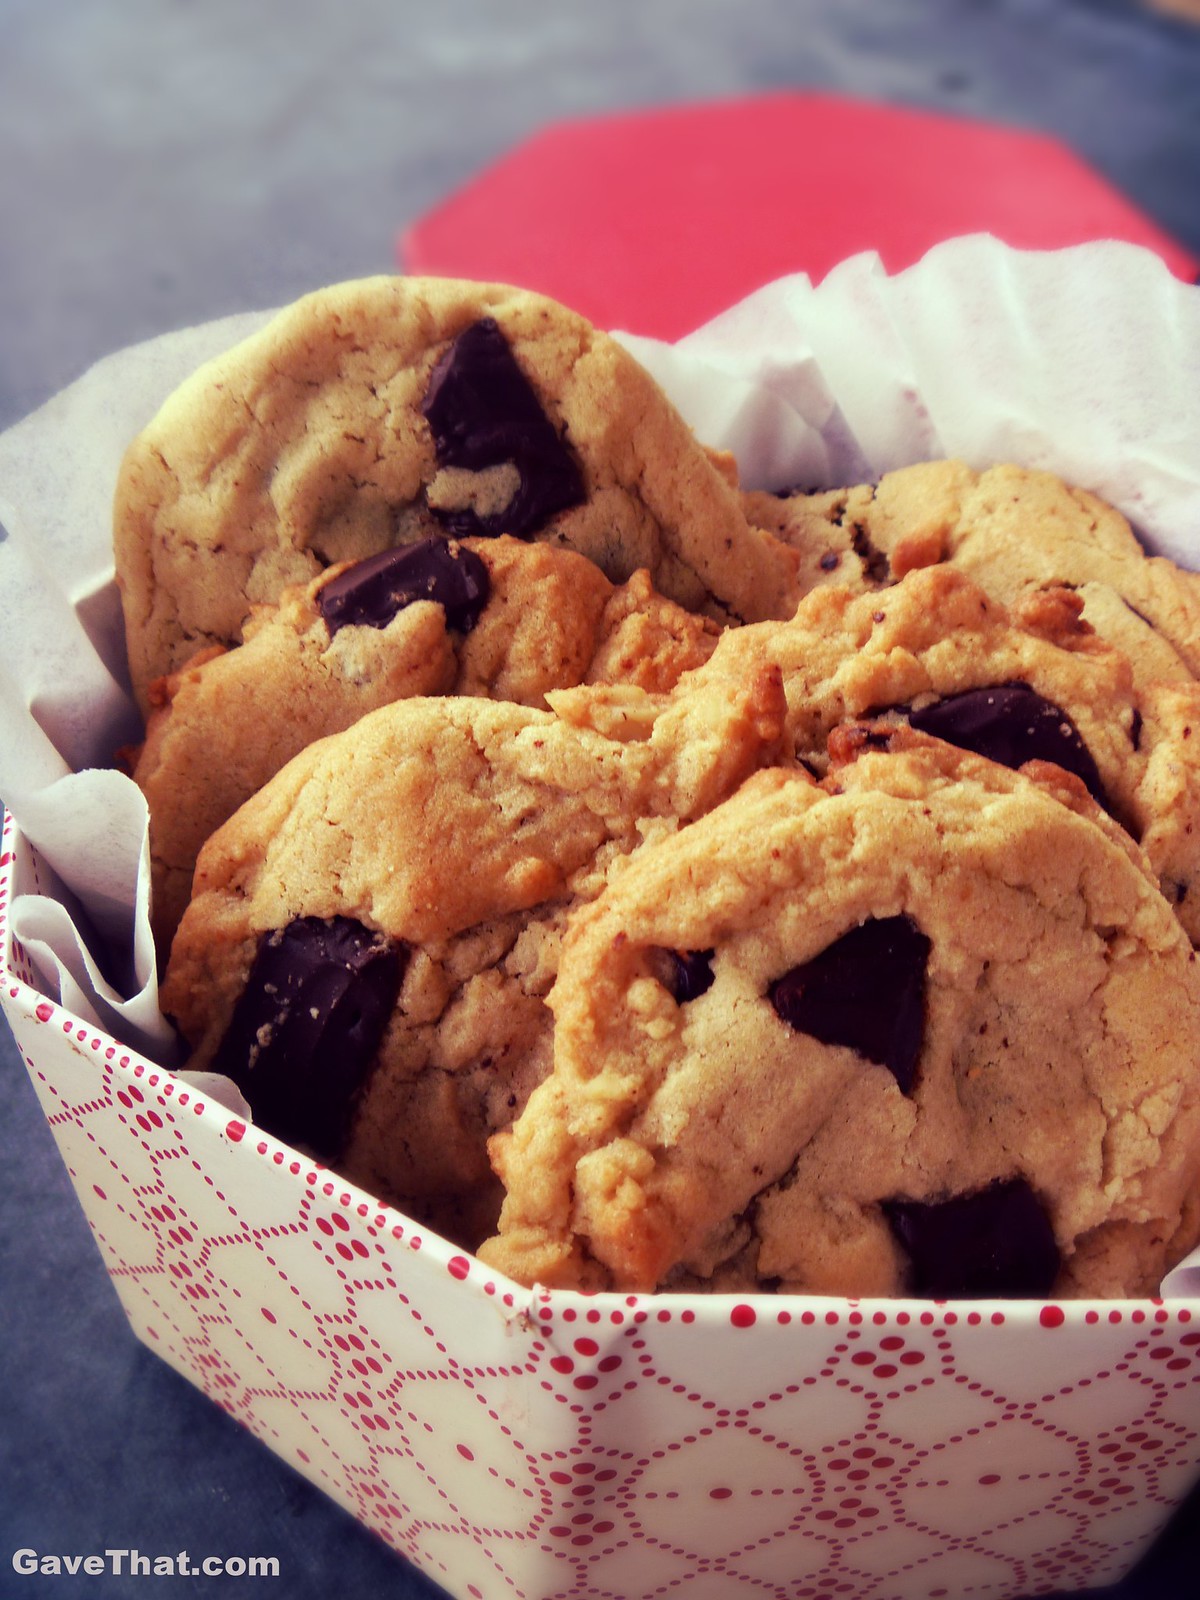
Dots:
pixel 494 617
pixel 1015 531
pixel 823 529
pixel 926 1027
pixel 373 934
pixel 379 412
pixel 1033 683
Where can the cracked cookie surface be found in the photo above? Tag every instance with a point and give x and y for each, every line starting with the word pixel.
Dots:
pixel 856 1037
pixel 1015 531
pixel 457 834
pixel 1034 681
pixel 535 618
pixel 383 411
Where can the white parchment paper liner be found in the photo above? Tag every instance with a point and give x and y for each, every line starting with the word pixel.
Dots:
pixel 1083 361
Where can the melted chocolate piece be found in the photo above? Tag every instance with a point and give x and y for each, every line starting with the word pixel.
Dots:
pixel 688 973
pixel 865 991
pixel 1011 724
pixel 995 1243
pixel 371 592
pixel 305 1030
pixel 483 413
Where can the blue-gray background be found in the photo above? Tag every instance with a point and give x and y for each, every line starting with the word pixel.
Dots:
pixel 167 161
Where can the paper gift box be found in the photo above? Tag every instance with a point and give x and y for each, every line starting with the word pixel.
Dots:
pixel 617 1447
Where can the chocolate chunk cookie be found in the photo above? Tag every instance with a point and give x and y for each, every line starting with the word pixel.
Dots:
pixel 380 412
pixel 372 935
pixel 1016 532
pixel 936 650
pixel 494 617
pixel 937 1038
pixel 823 529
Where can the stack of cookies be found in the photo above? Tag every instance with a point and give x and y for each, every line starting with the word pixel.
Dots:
pixel 647 883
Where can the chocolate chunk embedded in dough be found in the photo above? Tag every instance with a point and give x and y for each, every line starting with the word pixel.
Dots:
pixel 866 991
pixel 1011 723
pixel 483 413
pixel 305 1031
pixel 995 1242
pixel 686 973
pixel 372 592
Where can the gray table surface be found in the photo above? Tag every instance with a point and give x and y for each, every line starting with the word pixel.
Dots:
pixel 167 161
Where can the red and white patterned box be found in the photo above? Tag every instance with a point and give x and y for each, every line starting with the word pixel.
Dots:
pixel 555 1446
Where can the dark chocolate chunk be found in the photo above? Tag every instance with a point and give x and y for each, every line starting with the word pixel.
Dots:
pixel 306 1028
pixel 995 1243
pixel 371 592
pixel 483 412
pixel 687 973
pixel 1011 723
pixel 865 991
pixel 875 561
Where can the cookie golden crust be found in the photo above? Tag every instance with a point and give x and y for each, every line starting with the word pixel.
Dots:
pixel 798 1042
pixel 418 870
pixel 1167 800
pixel 359 420
pixel 514 622
pixel 1014 531
pixel 931 636
pixel 1034 682
pixel 825 532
